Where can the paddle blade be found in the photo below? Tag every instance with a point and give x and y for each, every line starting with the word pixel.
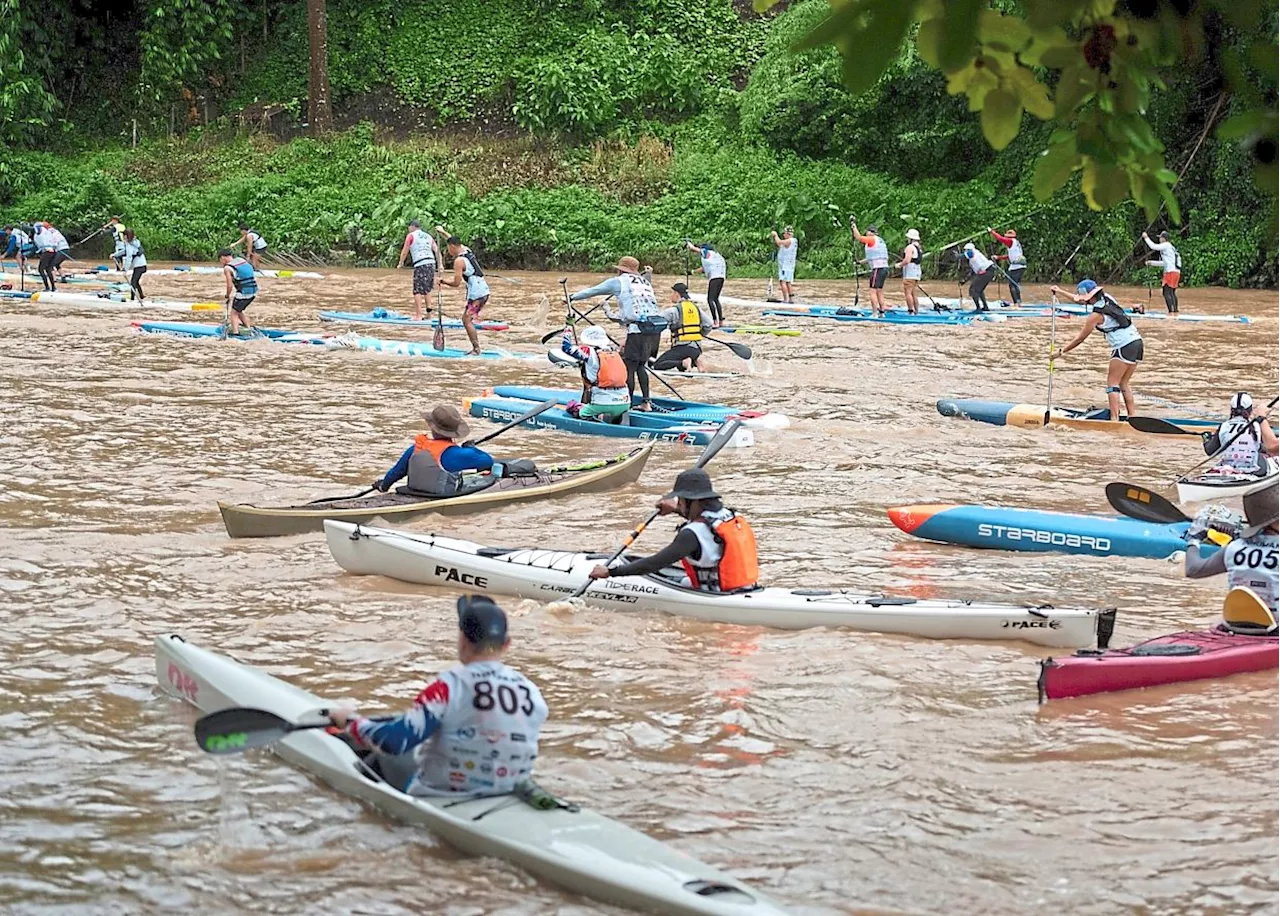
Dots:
pixel 232 731
pixel 437 339
pixel 742 351
pixel 1158 426
pixel 1140 503
pixel 724 435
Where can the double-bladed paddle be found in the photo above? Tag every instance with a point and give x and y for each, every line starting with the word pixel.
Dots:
pixel 724 435
pixel 1223 446
pixel 1140 503
pixel 239 729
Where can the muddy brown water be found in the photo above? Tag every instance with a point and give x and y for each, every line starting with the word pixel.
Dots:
pixel 837 771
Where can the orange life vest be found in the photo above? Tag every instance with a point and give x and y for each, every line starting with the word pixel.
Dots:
pixel 739 565
pixel 613 371
pixel 426 443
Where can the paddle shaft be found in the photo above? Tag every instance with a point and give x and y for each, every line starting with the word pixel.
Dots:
pixel 1053 346
pixel 541 408
pixel 853 257
pixel 1223 446
pixel 665 383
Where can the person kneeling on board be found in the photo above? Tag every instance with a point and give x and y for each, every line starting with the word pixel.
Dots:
pixel 435 462
pixel 604 376
pixel 1250 560
pixel 689 324
pixel 1107 317
pixel 1248 444
pixel 716 546
pixel 472 731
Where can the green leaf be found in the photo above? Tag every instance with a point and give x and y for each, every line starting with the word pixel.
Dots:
pixel 1033 94
pixel 1054 167
pixel 1075 86
pixel 1104 185
pixel 1008 33
pixel 957 45
pixel 1001 117
pixel 929 40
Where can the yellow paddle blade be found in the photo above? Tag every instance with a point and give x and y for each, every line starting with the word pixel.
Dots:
pixel 206 306
pixel 284 274
pixel 1221 538
pixel 1242 605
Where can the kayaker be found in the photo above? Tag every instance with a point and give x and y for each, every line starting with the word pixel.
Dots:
pixel 134 264
pixel 1170 264
pixel 1251 560
pixel 787 249
pixel 604 375
pixel 1249 441
pixel 983 270
pixel 714 268
pixel 1107 317
pixel 424 255
pixel 435 462
pixel 638 310
pixel 689 324
pixel 877 256
pixel 116 229
pixel 1017 262
pixel 471 731
pixel 255 246
pixel 467 269
pixel 716 546
pixel 912 255
pixel 242 289
pixel 19 246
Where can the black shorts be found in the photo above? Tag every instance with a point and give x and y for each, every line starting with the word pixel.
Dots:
pixel 60 258
pixel 638 349
pixel 676 355
pixel 878 276
pixel 262 250
pixel 240 305
pixel 1129 353
pixel 424 279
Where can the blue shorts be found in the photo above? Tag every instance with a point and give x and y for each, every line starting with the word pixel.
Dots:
pixel 786 274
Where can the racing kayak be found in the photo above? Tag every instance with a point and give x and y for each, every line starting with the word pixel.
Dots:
pixel 1225 482
pixel 653 427
pixel 1004 528
pixel 388 316
pixel 1031 416
pixel 1190 656
pixel 249 521
pixel 119 302
pixel 550 574
pixel 568 845
pixel 670 408
pixel 562 360
pixel 834 315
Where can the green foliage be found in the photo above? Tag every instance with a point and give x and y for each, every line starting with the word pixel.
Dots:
pixel 26 106
pixel 181 42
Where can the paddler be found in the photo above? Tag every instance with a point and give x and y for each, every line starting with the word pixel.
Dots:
pixel 19 246
pixel 467 269
pixel 1252 559
pixel 716 546
pixel 242 288
pixel 255 246
pixel 714 268
pixel 877 258
pixel 604 375
pixel 134 264
pixel 688 324
pixel 1106 316
pixel 787 249
pixel 912 255
pixel 1017 261
pixel 1250 442
pixel 472 731
pixel 116 229
pixel 638 310
pixel 424 254
pixel 47 241
pixel 1170 264
pixel 435 462
pixel 983 270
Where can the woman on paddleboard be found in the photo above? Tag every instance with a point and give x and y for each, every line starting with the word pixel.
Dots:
pixel 604 376
pixel 1108 318
pixel 912 255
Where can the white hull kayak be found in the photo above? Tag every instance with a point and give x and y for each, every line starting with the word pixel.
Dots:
pixel 1224 483
pixel 577 849
pixel 118 303
pixel 547 575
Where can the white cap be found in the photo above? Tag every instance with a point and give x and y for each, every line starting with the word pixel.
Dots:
pixel 913 235
pixel 1241 402
pixel 969 247
pixel 595 337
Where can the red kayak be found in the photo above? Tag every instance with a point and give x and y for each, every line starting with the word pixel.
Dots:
pixel 1163 660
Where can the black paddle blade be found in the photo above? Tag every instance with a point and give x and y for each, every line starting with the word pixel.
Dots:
pixel 1158 426
pixel 1140 503
pixel 231 731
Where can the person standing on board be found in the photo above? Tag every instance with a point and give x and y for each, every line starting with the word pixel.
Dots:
pixel 424 254
pixel 638 310
pixel 983 270
pixel 134 264
pixel 689 324
pixel 787 248
pixel 911 275
pixel 435 460
pixel 46 242
pixel 255 246
pixel 604 375
pixel 19 246
pixel 1250 443
pixel 472 731
pixel 466 269
pixel 242 288
pixel 877 256
pixel 115 229
pixel 1171 264
pixel 1017 262
pixel 1251 560
pixel 1107 317
pixel 715 269
pixel 716 546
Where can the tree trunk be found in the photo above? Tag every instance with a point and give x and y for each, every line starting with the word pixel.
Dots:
pixel 319 112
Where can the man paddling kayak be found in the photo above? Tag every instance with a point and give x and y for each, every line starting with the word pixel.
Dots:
pixel 471 731
pixel 877 256
pixel 242 289
pixel 638 310
pixel 1170 264
pixel 435 462
pixel 689 325
pixel 1250 443
pixel 1253 559
pixel 787 250
pixel 716 546
pixel 424 254
pixel 715 269
pixel 1108 318
pixel 604 376
pixel 466 269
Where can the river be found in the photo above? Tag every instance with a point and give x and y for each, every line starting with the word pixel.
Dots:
pixel 837 771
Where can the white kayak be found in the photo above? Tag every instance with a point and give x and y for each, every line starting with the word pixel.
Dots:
pixel 573 847
pixel 552 574
pixel 117 302
pixel 1225 482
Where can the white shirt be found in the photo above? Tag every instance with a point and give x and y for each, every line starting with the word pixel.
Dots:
pixel 787 255
pixel 1170 260
pixel 1252 562
pixel 978 261
pixel 713 265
